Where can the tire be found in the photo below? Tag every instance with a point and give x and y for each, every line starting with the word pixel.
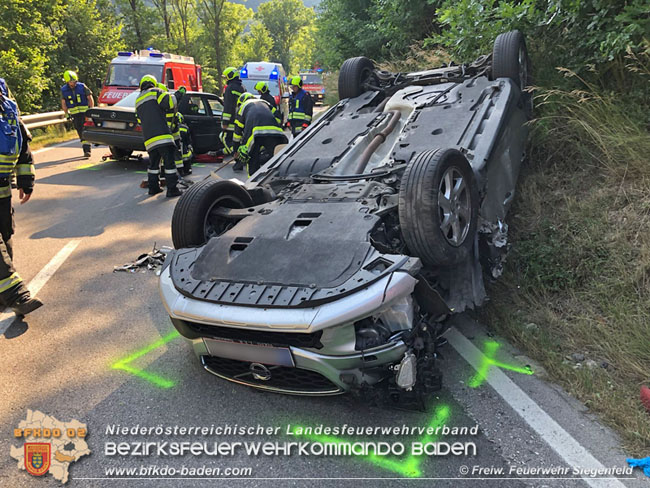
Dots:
pixel 194 222
pixel 429 233
pixel 119 153
pixel 510 60
pixel 355 72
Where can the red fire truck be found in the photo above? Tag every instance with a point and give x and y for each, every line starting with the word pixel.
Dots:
pixel 127 68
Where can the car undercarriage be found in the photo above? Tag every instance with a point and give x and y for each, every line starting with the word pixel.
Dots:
pixel 335 266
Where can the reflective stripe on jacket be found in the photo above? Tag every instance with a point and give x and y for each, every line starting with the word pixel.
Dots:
pixel 301 109
pixel 151 108
pixel 234 89
pixel 254 118
pixel 76 100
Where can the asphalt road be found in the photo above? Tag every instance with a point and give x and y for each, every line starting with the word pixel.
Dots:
pixel 102 351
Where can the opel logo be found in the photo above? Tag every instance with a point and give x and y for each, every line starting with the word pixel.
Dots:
pixel 260 372
pixel 113 115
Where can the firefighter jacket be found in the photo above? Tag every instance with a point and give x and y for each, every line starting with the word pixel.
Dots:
pixel 301 109
pixel 15 157
pixel 151 108
pixel 234 88
pixel 254 119
pixel 270 99
pixel 76 99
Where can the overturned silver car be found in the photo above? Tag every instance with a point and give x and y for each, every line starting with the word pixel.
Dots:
pixel 335 266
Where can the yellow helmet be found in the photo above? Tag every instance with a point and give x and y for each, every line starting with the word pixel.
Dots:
pixel 148 80
pixel 296 81
pixel 230 73
pixel 70 76
pixel 243 97
pixel 262 86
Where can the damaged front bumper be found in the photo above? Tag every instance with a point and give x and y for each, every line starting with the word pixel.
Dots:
pixel 270 349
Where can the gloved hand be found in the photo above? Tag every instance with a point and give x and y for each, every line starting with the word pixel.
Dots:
pixel 305 125
pixel 68 116
pixel 644 464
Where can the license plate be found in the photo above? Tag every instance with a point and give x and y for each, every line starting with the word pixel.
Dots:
pixel 254 353
pixel 114 125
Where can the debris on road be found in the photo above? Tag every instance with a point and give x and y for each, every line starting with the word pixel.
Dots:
pixel 151 261
pixel 644 464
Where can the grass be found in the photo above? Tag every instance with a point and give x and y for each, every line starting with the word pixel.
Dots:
pixel 579 269
pixel 51 134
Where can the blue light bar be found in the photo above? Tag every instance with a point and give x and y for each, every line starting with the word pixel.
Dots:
pixel 156 55
pixel 243 73
pixel 273 75
pixel 125 53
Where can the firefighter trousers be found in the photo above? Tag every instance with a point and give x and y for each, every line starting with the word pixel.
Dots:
pixel 78 120
pixel 166 154
pixel 11 285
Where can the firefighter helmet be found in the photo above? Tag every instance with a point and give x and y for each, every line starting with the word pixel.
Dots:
pixel 262 86
pixel 230 73
pixel 70 76
pixel 147 80
pixel 243 97
pixel 296 81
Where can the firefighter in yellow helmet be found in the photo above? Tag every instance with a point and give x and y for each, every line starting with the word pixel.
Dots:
pixel 301 107
pixel 233 90
pixel 257 132
pixel 262 88
pixel 151 108
pixel 76 98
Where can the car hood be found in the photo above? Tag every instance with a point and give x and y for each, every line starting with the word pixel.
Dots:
pixel 293 255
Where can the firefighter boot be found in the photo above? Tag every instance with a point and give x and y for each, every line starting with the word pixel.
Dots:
pixel 25 304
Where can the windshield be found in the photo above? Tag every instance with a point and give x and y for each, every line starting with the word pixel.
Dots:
pixel 249 84
pixel 129 100
pixel 130 74
pixel 312 79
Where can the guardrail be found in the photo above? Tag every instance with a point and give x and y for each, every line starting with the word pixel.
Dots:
pixel 41 120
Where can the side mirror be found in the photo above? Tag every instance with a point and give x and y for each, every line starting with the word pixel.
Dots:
pixel 99 82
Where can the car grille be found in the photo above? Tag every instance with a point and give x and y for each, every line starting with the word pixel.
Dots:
pixel 283 379
pixel 256 336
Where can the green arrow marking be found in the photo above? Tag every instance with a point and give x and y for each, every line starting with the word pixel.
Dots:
pixel 488 361
pixel 125 363
pixel 408 467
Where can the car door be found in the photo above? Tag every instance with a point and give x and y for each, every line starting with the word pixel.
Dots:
pixel 200 122
pixel 216 110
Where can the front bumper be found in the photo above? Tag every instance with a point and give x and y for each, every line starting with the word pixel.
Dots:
pixel 315 370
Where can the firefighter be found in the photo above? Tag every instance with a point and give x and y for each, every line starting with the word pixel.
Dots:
pixel 234 89
pixel 187 151
pixel 152 107
pixel 257 132
pixel 301 107
pixel 262 88
pixel 15 159
pixel 76 98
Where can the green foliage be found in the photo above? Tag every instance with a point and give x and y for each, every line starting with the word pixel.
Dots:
pixel 256 44
pixel 140 23
pixel 28 37
pixel 378 29
pixel 285 21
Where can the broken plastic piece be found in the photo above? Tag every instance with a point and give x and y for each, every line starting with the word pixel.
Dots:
pixel 150 261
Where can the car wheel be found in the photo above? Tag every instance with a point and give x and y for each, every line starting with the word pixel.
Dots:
pixel 119 153
pixel 354 75
pixel 195 219
pixel 510 60
pixel 438 207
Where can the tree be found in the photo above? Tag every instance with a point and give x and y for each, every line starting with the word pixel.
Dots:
pixel 29 34
pixel 140 23
pixel 184 23
pixel 256 44
pixel 284 20
pixel 91 38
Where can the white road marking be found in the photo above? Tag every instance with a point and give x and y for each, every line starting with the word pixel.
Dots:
pixel 39 281
pixel 63 144
pixel 553 434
